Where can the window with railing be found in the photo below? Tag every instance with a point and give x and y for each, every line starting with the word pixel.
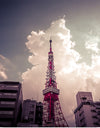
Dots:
pixel 10 86
pixel 6 112
pixel 8 102
pixel 10 94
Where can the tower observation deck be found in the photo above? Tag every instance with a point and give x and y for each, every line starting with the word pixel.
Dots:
pixel 52 113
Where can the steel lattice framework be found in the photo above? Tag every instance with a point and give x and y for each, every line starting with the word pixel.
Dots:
pixel 52 113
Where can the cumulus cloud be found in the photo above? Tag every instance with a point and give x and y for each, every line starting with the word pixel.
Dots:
pixel 8 70
pixel 3 74
pixel 72 76
pixel 92 42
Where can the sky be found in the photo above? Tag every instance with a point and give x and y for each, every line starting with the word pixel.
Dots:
pixel 73 25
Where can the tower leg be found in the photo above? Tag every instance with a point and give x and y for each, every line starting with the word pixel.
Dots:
pixel 59 117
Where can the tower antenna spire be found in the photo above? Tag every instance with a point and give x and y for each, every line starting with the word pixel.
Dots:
pixel 50 45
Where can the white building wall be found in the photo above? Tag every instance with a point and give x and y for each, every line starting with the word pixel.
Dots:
pixel 86 113
pixel 81 97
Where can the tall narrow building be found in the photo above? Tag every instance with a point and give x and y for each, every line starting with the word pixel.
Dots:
pixel 10 103
pixel 87 113
pixel 52 113
pixel 31 114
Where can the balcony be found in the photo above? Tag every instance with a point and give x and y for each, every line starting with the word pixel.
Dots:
pixel 8 95
pixel 7 104
pixel 6 114
pixel 3 116
pixel 3 96
pixel 5 123
pixel 9 88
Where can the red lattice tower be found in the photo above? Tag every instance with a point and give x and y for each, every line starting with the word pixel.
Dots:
pixel 52 113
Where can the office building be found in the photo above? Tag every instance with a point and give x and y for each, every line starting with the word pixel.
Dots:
pixel 31 114
pixel 10 103
pixel 39 113
pixel 87 113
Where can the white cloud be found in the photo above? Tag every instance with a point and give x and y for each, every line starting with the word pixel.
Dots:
pixel 92 42
pixel 71 75
pixel 3 74
pixel 7 69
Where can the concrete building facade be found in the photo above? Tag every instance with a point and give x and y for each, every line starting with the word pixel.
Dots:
pixel 87 113
pixel 39 113
pixel 10 103
pixel 29 111
pixel 31 114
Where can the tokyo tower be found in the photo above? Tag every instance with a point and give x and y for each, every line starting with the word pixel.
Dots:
pixel 52 113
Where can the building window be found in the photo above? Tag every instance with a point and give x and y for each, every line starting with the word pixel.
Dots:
pixel 93 110
pixel 7 102
pixel 84 125
pixel 31 112
pixel 95 117
pixel 11 86
pixel 82 119
pixel 10 94
pixel 98 112
pixel 25 117
pixel 81 113
pixel 98 107
pixel 32 106
pixel 6 112
pixel 83 98
pixel 96 123
pixel 30 119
